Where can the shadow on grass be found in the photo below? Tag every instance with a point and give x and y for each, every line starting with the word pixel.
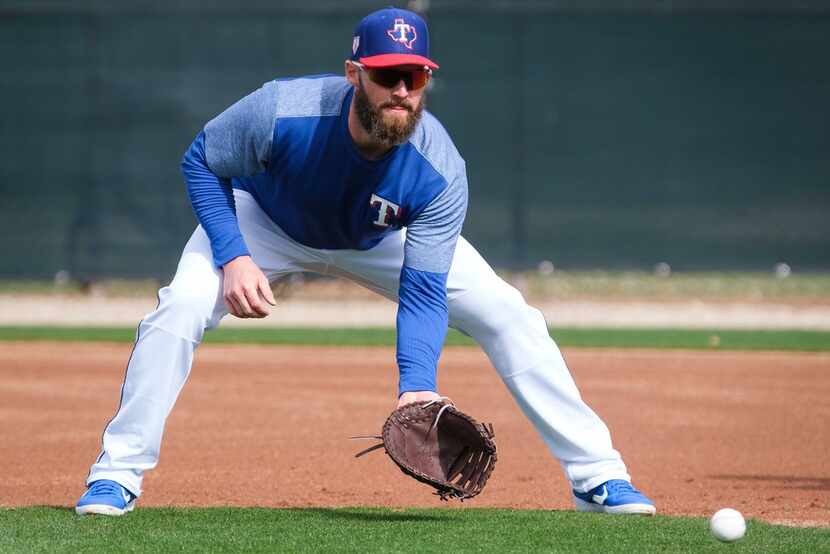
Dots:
pixel 52 508
pixel 353 514
pixel 362 515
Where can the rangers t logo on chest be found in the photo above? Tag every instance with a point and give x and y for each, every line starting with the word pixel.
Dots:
pixel 388 212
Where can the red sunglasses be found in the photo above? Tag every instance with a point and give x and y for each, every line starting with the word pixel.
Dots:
pixel 414 79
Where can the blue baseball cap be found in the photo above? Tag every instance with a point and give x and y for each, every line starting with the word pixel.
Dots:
pixel 391 37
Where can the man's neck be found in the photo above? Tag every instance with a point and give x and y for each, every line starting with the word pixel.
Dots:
pixel 368 148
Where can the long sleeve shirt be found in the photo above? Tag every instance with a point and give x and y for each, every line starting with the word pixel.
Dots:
pixel 288 145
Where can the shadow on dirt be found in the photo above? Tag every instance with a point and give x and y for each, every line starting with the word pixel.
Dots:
pixel 789 481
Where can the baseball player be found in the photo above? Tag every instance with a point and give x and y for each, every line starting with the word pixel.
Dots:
pixel 352 177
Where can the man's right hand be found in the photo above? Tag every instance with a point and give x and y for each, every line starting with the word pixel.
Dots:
pixel 246 289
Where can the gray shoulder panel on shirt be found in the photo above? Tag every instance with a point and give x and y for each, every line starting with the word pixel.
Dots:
pixel 434 143
pixel 432 236
pixel 238 141
pixel 310 97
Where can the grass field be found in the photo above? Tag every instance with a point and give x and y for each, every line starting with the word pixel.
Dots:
pixel 58 529
pixel 697 339
pixel 702 285
pixel 49 529
pixel 560 285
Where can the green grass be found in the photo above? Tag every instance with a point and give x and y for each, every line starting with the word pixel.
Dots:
pixel 47 529
pixel 381 530
pixel 562 285
pixel 118 288
pixel 623 285
pixel 695 339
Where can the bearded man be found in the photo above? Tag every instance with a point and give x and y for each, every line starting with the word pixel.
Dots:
pixel 347 177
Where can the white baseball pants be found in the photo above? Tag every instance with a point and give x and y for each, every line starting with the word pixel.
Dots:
pixel 481 305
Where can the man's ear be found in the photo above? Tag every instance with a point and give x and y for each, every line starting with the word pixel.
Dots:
pixel 352 73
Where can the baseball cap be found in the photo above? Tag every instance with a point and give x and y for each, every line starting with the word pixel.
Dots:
pixel 391 37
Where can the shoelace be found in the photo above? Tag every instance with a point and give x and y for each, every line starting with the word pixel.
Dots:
pixel 102 487
pixel 619 486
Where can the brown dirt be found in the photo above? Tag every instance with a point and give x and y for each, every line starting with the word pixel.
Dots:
pixel 267 426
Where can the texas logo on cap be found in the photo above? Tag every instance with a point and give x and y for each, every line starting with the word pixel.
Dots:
pixel 391 37
pixel 403 32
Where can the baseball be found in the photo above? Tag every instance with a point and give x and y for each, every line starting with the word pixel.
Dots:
pixel 727 525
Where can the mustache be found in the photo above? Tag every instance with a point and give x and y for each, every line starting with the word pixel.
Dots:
pixel 404 105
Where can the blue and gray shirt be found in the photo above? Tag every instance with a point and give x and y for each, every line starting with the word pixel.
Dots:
pixel 288 145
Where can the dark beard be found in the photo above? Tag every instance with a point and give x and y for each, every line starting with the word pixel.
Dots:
pixel 380 131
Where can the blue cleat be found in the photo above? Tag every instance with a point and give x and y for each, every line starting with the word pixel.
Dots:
pixel 106 498
pixel 614 497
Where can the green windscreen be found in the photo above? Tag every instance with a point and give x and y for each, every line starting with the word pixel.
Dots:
pixel 592 139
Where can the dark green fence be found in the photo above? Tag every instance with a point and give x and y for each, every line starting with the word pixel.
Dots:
pixel 592 139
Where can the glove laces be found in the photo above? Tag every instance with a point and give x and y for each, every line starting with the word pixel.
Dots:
pixel 448 403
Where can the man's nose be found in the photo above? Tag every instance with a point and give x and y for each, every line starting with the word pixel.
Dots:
pixel 400 90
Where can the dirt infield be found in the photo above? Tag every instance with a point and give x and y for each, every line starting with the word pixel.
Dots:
pixel 267 426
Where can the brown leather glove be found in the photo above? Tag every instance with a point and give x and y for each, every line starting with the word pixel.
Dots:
pixel 441 446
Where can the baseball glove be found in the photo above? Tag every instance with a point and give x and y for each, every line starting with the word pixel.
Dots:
pixel 439 445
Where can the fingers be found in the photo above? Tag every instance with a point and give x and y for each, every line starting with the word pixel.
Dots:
pixel 233 306
pixel 256 305
pixel 237 303
pixel 246 289
pixel 247 302
pixel 265 290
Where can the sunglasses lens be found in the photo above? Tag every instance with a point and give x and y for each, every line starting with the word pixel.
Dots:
pixel 419 80
pixel 389 78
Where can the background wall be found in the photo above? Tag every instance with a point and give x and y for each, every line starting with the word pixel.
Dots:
pixel 594 137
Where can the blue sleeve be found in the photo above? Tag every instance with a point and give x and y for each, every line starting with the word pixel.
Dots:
pixel 422 295
pixel 236 143
pixel 431 237
pixel 212 201
pixel 422 328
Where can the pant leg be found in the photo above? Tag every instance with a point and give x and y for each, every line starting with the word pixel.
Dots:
pixel 516 339
pixel 159 366
pixel 167 339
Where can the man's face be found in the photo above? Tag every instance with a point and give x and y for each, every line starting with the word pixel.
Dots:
pixel 388 114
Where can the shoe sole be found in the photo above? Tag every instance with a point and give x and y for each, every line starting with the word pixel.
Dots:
pixel 104 509
pixel 626 509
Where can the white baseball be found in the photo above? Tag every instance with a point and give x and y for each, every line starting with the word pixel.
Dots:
pixel 727 525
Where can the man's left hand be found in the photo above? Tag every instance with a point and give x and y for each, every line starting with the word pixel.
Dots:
pixel 415 396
